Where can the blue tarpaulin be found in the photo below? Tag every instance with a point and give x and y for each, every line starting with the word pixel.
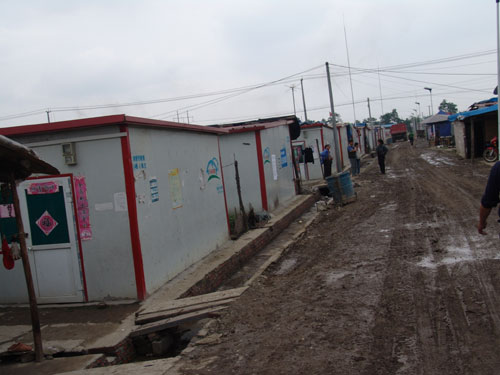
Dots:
pixel 463 115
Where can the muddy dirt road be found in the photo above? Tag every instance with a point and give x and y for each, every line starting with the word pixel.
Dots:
pixel 398 282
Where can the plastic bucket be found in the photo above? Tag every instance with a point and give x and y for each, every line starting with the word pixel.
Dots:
pixel 340 186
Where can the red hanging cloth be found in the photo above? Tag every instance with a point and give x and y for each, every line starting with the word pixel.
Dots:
pixel 8 262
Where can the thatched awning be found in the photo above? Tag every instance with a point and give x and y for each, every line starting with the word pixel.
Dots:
pixel 20 160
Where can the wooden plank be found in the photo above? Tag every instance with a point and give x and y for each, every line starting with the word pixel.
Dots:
pixel 203 298
pixel 155 316
pixel 175 321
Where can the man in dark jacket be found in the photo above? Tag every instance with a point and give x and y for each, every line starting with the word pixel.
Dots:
pixel 490 197
pixel 381 151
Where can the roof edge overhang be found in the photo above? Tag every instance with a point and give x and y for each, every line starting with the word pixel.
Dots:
pixel 104 121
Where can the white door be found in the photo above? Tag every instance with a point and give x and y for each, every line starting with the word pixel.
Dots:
pixel 49 222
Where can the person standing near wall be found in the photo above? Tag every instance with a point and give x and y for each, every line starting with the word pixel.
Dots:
pixel 491 197
pixel 381 152
pixel 326 160
pixel 351 152
pixel 358 158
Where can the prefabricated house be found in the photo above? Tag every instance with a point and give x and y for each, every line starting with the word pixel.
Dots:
pixel 437 127
pixel 473 129
pixel 137 201
pixel 263 152
pixel 307 147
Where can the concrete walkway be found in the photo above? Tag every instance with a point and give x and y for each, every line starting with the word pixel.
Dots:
pixel 87 337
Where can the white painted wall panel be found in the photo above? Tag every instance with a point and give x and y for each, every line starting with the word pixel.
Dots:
pixel 173 238
pixel 282 189
pixel 242 147
pixel 108 255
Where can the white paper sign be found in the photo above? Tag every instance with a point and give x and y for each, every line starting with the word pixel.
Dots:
pixel 120 202
pixel 106 206
pixel 275 169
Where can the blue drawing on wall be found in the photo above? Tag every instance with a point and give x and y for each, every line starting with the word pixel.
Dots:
pixel 284 162
pixel 213 169
pixel 267 155
pixel 139 162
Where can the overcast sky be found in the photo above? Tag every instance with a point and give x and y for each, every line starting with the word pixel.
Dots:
pixel 220 61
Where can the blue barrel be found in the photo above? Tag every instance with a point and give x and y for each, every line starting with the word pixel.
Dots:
pixel 340 186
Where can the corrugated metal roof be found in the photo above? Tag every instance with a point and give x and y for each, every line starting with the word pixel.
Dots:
pixel 434 119
pixel 477 112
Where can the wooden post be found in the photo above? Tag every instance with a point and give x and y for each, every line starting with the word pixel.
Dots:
pixel 35 320
pixel 319 153
pixel 240 200
pixel 472 141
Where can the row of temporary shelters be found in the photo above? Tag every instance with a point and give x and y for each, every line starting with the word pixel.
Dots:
pixel 138 200
pixel 315 136
pixel 475 127
pixel 470 130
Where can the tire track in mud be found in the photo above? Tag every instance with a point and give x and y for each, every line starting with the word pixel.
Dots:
pixel 441 316
pixel 395 283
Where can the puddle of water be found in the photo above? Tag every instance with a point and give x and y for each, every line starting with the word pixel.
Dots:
pixel 414 226
pixel 436 160
pixel 454 255
pixel 286 266
pixel 333 277
pixel 390 207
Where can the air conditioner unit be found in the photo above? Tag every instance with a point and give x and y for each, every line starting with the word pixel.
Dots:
pixel 69 153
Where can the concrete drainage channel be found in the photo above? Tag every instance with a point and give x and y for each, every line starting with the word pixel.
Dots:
pixel 172 341
pixel 178 325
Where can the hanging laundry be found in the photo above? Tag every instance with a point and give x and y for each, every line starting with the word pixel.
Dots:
pixel 308 155
pixel 8 262
pixel 15 250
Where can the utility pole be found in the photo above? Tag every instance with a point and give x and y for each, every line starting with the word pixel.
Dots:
pixel 380 90
pixel 498 65
pixel 303 99
pixel 178 117
pixel 293 98
pixel 335 133
pixel 48 115
pixel 430 92
pixel 369 109
pixel 350 77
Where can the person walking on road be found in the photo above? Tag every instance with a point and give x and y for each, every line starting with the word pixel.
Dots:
pixel 351 152
pixel 410 138
pixel 358 158
pixel 381 152
pixel 490 197
pixel 326 160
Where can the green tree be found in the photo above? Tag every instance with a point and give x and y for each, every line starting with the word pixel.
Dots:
pixel 329 120
pixel 369 120
pixel 448 107
pixel 390 117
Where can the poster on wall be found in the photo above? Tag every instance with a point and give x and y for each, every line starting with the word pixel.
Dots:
pixel 174 182
pixel 153 187
pixel 48 187
pixel 275 168
pixel 82 208
pixel 284 162
pixel 120 201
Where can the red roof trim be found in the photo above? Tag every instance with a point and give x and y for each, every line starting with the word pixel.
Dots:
pixel 172 125
pixel 243 129
pixel 317 125
pixel 104 121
